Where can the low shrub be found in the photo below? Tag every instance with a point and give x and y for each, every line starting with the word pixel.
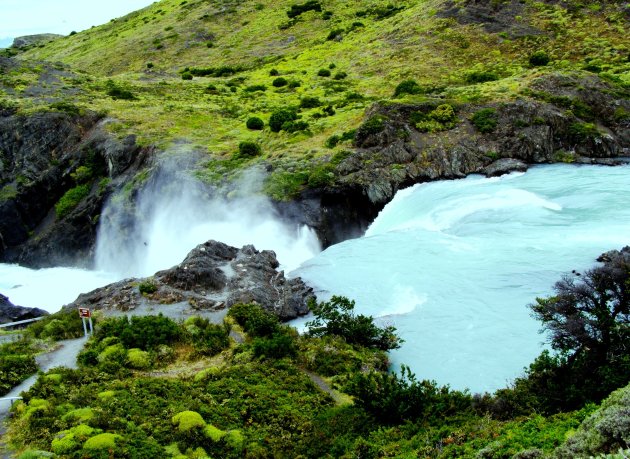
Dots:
pixel 323 73
pixel 336 317
pixel 584 131
pixel 407 87
pixel 480 76
pixel 310 102
pixel 279 117
pixel 254 319
pixel 147 287
pixel 256 87
pixel 294 126
pixel 340 76
pixel 247 149
pixel 485 120
pixel 255 123
pixel 373 125
pixel 207 338
pixel 298 9
pixel 116 92
pixel 279 82
pixel 187 76
pixel 274 72
pixel 276 346
pixel 334 33
pixel 71 199
pixel 539 59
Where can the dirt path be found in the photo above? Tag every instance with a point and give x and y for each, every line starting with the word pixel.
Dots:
pixel 324 386
pixel 64 356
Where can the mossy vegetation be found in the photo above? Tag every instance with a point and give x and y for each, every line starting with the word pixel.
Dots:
pixel 412 52
pixel 274 393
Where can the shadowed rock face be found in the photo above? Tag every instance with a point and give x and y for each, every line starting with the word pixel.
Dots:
pixel 12 313
pixel 213 276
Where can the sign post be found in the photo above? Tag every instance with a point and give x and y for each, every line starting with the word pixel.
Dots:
pixel 85 313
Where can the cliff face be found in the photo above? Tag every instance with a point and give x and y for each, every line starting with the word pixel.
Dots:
pixel 212 277
pixel 571 119
pixel 56 169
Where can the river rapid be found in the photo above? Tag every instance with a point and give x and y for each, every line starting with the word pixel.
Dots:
pixel 452 264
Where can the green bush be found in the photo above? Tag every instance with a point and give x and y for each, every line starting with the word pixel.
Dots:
pixel 207 338
pixel 309 102
pixel 407 87
pixel 584 131
pixel 334 33
pixel 279 117
pixel 65 324
pixel 254 319
pixel 294 126
pixel 67 107
pixel 147 287
pixel 116 92
pixel 323 73
pixel 539 58
pixel 14 368
pixel 279 82
pixel 396 399
pixel 336 317
pixel 256 87
pixel 485 120
pixel 71 199
pixel 138 359
pixel 247 149
pixel 340 76
pixel 255 123
pixel 274 72
pixel 480 76
pixel 373 125
pixel 276 346
pixel 187 76
pixel 143 332
pixel 298 9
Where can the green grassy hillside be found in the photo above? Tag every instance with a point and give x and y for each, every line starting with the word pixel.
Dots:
pixel 368 48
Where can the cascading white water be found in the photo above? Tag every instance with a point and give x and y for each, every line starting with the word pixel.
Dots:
pixel 454 264
pixel 172 216
pixel 177 215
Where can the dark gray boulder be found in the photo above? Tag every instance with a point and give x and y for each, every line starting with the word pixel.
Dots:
pixel 12 313
pixel 504 166
pixel 212 277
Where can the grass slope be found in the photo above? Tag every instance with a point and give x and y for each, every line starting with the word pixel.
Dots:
pixel 368 47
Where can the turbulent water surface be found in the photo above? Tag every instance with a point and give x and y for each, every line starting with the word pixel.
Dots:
pixel 452 264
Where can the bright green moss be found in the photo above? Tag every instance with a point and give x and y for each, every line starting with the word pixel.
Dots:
pixel 187 420
pixel 102 441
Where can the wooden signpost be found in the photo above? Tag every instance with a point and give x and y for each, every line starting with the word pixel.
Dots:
pixel 85 313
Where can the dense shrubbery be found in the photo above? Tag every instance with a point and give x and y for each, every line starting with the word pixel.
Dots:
pixel 336 317
pixel 255 123
pixel 298 9
pixel 143 332
pixel 539 59
pixel 280 117
pixel 64 324
pixel 395 399
pixel 255 320
pixel 117 92
pixel 71 199
pixel 206 337
pixel 222 71
pixel 439 119
pixel 485 120
pixel 481 76
pixel 247 149
pixel 407 87
pixel 372 125
pixel 17 362
pixel 279 82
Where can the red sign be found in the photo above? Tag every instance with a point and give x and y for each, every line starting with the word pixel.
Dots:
pixel 85 313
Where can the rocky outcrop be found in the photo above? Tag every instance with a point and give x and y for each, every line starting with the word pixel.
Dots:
pixel 564 118
pixel 12 313
pixel 213 276
pixel 42 157
pixel 30 40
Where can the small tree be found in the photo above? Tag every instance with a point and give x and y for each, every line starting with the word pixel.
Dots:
pixel 336 317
